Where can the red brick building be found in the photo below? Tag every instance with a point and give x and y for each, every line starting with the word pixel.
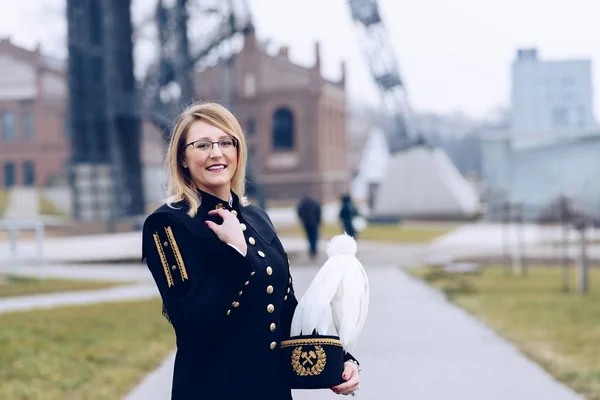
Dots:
pixel 34 132
pixel 294 119
pixel 34 145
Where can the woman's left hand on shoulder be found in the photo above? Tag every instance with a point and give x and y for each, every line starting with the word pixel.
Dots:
pixel 352 379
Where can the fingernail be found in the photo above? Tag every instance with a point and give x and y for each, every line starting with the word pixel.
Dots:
pixel 345 376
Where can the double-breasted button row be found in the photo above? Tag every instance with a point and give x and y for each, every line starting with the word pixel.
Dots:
pixel 269 289
pixel 236 303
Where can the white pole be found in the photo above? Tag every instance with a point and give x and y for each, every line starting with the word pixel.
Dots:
pixel 14 259
pixel 39 235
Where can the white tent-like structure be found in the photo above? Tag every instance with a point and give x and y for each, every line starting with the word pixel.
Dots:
pixel 373 164
pixel 422 182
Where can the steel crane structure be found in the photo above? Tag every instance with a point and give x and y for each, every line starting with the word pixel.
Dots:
pixel 416 170
pixel 385 71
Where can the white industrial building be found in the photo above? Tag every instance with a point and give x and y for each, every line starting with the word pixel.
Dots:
pixel 551 97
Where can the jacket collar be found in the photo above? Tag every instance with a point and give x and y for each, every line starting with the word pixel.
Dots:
pixel 211 202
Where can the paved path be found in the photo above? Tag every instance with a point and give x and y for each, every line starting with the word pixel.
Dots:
pixel 416 345
pixel 86 272
pixel 82 297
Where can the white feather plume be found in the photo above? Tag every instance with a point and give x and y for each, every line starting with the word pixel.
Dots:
pixel 337 297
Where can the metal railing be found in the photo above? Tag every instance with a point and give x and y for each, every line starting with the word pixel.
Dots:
pixel 13 226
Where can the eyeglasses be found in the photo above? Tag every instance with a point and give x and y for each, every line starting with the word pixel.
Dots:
pixel 206 146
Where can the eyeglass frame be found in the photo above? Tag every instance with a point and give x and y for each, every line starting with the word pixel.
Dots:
pixel 233 139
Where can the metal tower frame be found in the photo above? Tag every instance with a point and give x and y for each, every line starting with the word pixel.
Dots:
pixel 385 72
pixel 105 167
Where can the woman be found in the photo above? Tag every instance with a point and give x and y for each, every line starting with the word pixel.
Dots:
pixel 222 273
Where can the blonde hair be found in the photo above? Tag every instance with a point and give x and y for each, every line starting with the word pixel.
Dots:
pixel 179 184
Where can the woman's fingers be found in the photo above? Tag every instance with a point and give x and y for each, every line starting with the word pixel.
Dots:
pixel 351 383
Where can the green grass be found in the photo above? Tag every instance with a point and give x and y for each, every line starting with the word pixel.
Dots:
pixel 75 353
pixel 3 201
pixel 377 232
pixel 560 331
pixel 22 286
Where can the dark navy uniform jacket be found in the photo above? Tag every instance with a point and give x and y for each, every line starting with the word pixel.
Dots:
pixel 229 312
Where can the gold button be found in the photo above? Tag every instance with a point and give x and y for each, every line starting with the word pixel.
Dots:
pixel 236 304
pixel 228 312
pixel 288 290
pixel 166 244
pixel 240 293
pixel 243 227
pixel 285 298
pixel 251 240
pixel 173 267
pixel 273 327
pixel 260 253
pixel 219 206
pixel 273 345
pixel 234 213
pixel 247 283
pixel 269 271
pixel 269 289
pixel 252 273
pixel 270 308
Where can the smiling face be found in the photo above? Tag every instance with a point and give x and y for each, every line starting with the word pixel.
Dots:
pixel 211 168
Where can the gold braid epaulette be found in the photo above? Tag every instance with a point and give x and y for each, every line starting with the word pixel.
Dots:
pixel 163 259
pixel 177 253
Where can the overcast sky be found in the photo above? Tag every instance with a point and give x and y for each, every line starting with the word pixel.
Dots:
pixel 454 55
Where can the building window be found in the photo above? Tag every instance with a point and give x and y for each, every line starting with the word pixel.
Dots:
pixel 251 127
pixel 8 126
pixel 27 125
pixel 9 174
pixel 283 129
pixel 28 173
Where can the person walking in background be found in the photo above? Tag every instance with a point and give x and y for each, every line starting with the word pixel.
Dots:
pixel 348 212
pixel 309 212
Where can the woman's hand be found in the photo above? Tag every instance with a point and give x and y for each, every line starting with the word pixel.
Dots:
pixel 230 231
pixel 352 379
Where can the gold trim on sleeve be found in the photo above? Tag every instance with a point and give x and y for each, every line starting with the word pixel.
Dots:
pixel 177 253
pixel 163 259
